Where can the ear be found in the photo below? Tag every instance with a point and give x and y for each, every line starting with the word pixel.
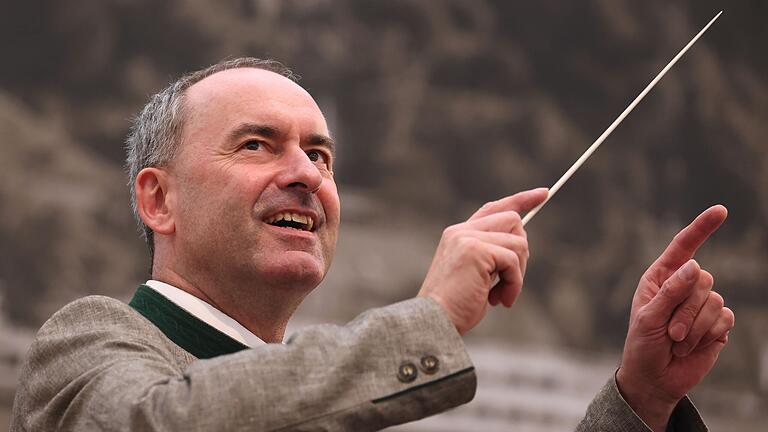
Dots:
pixel 152 200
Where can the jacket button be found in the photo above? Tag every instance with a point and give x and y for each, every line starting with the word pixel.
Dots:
pixel 407 372
pixel 430 364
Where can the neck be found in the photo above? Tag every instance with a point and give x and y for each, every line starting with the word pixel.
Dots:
pixel 262 309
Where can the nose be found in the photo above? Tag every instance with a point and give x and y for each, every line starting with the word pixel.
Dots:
pixel 298 172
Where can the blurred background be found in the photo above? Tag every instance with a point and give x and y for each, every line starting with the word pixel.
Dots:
pixel 438 106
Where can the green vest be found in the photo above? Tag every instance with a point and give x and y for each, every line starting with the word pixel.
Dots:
pixel 184 329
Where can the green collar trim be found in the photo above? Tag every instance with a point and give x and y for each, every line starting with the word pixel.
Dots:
pixel 182 328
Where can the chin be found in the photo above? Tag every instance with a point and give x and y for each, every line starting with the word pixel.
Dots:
pixel 304 270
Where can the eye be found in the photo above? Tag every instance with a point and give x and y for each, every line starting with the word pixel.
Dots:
pixel 318 156
pixel 253 145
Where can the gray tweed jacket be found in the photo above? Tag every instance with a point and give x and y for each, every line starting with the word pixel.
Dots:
pixel 98 364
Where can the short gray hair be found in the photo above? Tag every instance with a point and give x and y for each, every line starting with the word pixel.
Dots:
pixel 155 134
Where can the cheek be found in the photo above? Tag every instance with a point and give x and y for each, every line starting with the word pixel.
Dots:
pixel 332 207
pixel 206 205
pixel 224 187
pixel 196 208
pixel 329 198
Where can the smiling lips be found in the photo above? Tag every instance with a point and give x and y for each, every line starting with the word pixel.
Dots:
pixel 291 220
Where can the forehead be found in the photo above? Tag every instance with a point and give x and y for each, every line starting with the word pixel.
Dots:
pixel 227 99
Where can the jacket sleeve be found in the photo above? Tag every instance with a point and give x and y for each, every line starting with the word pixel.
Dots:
pixel 90 370
pixel 608 411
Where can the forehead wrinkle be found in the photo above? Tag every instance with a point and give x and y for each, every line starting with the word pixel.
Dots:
pixel 278 96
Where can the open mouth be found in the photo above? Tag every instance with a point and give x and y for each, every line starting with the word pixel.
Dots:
pixel 291 220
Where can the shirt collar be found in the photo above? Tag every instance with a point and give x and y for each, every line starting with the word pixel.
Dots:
pixel 206 313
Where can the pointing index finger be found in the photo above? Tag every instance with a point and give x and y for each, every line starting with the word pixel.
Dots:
pixel 519 202
pixel 686 242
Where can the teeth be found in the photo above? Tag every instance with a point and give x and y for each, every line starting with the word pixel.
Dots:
pixel 295 217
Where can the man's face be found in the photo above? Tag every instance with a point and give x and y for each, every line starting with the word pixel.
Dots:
pixel 256 199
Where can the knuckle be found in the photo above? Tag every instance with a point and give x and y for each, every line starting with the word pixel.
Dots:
pixel 706 278
pixel 648 279
pixel 716 299
pixel 730 317
pixel 687 312
pixel 524 249
pixel 678 237
pixel 488 206
pixel 451 230
pixel 644 318
pixel 667 287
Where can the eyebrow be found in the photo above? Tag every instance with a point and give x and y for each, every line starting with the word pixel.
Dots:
pixel 269 131
pixel 323 141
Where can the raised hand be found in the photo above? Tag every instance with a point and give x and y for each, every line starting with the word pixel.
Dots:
pixel 471 253
pixel 677 327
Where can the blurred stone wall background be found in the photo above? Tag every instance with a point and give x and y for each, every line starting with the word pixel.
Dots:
pixel 438 106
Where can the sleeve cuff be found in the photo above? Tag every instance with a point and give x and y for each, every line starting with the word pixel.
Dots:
pixel 684 418
pixel 608 411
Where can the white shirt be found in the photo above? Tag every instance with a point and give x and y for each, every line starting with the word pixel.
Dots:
pixel 206 313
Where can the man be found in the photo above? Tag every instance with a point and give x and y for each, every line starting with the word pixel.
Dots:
pixel 231 170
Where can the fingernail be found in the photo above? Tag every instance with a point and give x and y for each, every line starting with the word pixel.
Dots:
pixel 680 349
pixel 677 332
pixel 688 271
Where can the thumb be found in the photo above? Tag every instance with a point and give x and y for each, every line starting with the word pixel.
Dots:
pixel 673 292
